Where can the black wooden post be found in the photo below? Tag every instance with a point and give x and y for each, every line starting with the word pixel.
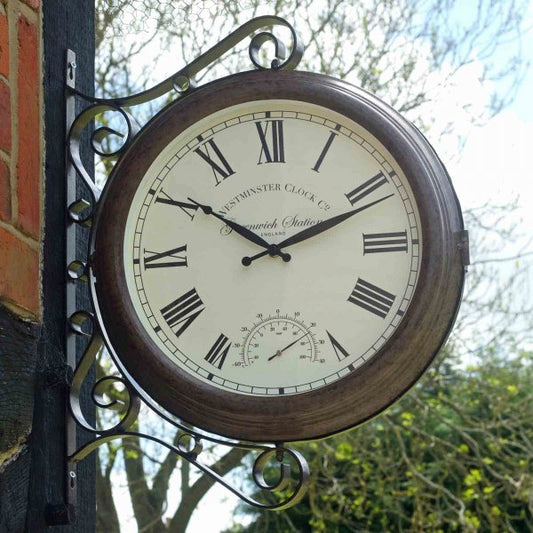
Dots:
pixel 65 25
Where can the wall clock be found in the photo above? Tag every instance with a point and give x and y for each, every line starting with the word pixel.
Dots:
pixel 277 256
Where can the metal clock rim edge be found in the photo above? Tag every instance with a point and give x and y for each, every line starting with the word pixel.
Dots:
pixel 240 429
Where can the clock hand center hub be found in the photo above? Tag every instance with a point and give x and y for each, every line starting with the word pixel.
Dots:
pixel 273 250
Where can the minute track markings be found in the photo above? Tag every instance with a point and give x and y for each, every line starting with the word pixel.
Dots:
pixel 205 355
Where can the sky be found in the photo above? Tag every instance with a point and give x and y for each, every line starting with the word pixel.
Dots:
pixel 493 166
pixel 494 161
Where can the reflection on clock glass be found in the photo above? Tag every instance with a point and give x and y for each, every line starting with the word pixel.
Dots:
pixel 276 246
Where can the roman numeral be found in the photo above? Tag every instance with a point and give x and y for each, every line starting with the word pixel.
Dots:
pixel 219 165
pixel 366 188
pixel 170 258
pixel 372 298
pixel 188 208
pixel 183 311
pixel 322 155
pixel 340 352
pixel 272 150
pixel 374 243
pixel 218 352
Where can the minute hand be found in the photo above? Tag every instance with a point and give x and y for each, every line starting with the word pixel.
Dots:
pixel 326 224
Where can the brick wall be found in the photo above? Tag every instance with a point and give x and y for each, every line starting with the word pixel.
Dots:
pixel 21 183
pixel 21 162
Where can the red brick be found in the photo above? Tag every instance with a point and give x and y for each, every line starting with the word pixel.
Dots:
pixel 32 3
pixel 5 192
pixel 4 46
pixel 5 117
pixel 29 162
pixel 19 272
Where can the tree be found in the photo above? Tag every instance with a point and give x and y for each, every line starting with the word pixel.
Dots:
pixel 406 51
pixel 409 52
pixel 454 455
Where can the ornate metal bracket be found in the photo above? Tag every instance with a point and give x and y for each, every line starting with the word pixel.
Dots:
pixel 117 393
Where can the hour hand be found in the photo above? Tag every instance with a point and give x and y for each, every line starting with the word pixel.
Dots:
pixel 241 230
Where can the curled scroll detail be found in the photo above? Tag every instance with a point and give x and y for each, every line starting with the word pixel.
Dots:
pixel 280 475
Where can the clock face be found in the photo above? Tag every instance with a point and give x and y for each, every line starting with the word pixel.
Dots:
pixel 273 327
pixel 276 257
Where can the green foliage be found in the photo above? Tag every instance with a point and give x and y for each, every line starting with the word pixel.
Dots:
pixel 454 455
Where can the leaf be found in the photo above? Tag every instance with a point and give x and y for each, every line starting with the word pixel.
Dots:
pixel 343 452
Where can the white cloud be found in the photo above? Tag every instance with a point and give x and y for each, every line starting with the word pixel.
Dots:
pixel 495 165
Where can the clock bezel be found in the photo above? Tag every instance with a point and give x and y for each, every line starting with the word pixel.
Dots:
pixel 358 396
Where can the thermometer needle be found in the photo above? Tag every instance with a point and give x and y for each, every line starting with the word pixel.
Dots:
pixel 279 352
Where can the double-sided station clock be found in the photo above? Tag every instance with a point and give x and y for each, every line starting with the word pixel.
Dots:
pixel 277 256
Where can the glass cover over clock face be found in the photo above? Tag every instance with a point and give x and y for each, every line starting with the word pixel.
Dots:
pixel 272 248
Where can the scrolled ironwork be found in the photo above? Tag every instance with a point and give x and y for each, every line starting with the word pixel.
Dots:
pixel 288 493
pixel 190 71
pixel 120 394
pixel 190 445
pixel 127 406
pixel 79 125
pixel 77 271
pixel 280 454
pixel 81 211
pixel 81 322
pixel 107 395
pixel 281 60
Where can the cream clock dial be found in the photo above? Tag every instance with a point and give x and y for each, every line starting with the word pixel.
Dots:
pixel 278 169
pixel 277 256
